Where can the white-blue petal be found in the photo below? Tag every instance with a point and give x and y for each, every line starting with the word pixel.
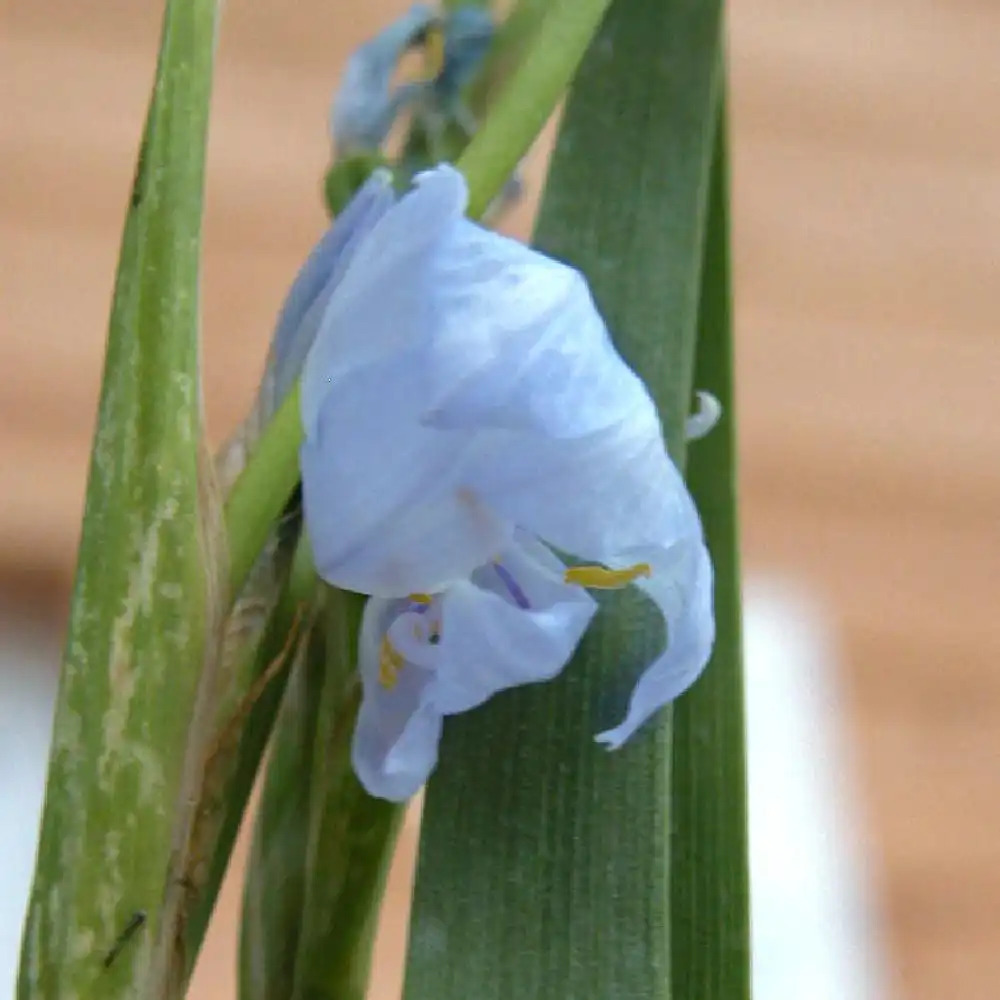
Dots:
pixel 489 643
pixel 395 745
pixel 593 496
pixel 681 586
pixel 384 503
pixel 520 345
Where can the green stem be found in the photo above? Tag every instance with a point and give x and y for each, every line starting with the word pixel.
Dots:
pixel 322 845
pixel 260 492
pixel 513 39
pixel 529 98
pixel 351 834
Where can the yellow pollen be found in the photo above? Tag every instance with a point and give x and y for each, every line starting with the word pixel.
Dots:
pixel 390 662
pixel 420 598
pixel 601 578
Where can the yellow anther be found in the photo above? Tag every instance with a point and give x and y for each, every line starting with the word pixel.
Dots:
pixel 602 578
pixel 420 598
pixel 390 662
pixel 434 50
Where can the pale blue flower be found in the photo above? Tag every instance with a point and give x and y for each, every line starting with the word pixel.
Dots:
pixel 465 413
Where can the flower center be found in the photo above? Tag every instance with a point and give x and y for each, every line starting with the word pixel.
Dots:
pixel 602 578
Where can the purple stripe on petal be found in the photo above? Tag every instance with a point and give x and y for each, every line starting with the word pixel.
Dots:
pixel 520 599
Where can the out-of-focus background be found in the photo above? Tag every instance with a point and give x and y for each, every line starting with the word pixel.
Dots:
pixel 867 236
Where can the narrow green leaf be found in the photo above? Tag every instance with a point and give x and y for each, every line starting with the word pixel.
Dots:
pixel 143 606
pixel 544 860
pixel 710 881
pixel 261 490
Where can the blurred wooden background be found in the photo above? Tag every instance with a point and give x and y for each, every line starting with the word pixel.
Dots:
pixel 867 148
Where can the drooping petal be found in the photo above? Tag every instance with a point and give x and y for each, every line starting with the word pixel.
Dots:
pixel 616 498
pixel 451 652
pixel 489 642
pixel 593 496
pixel 397 732
pixel 364 106
pixel 593 479
pixel 681 585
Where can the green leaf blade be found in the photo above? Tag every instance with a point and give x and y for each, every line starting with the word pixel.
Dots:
pixel 709 850
pixel 544 860
pixel 140 610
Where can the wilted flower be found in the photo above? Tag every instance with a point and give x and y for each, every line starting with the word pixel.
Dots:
pixel 465 414
pixel 365 104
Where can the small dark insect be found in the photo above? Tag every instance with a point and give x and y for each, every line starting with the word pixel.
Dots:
pixel 138 919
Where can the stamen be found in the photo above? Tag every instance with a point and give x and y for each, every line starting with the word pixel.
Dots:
pixel 520 598
pixel 601 578
pixel 390 662
pixel 420 598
